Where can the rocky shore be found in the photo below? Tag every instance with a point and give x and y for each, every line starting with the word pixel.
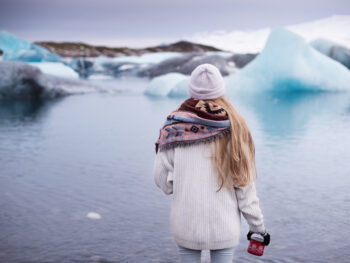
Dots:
pixel 72 49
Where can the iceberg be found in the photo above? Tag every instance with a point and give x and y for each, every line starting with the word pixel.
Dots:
pixel 22 81
pixel 186 63
pixel 333 50
pixel 169 65
pixel 288 64
pixel 154 65
pixel 180 89
pixel 82 66
pixel 162 86
pixel 14 48
pixel 129 65
pixel 108 66
pixel 148 58
pixel 56 69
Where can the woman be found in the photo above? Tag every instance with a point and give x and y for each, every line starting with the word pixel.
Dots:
pixel 206 159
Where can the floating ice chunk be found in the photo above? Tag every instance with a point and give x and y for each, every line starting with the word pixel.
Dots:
pixel 149 58
pixel 22 81
pixel 161 86
pixel 129 65
pixel 83 66
pixel 180 89
pixel 186 63
pixel 93 215
pixel 14 48
pixel 333 50
pixel 288 63
pixel 323 45
pixel 56 69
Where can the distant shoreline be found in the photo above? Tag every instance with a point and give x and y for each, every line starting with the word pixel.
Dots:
pixel 78 49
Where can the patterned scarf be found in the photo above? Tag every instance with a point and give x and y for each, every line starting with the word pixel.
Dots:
pixel 194 122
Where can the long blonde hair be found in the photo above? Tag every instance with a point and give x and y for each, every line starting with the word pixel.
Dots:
pixel 234 153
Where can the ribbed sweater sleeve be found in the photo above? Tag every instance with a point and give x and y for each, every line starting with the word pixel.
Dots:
pixel 163 170
pixel 248 204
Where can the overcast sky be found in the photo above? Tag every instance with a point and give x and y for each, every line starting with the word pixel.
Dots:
pixel 143 22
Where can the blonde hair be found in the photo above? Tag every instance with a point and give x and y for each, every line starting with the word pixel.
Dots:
pixel 234 153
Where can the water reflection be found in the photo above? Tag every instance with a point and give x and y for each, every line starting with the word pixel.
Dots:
pixel 24 110
pixel 284 116
pixel 95 153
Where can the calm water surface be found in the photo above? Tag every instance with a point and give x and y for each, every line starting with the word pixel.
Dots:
pixel 62 159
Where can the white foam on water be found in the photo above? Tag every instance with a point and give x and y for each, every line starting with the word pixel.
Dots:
pixel 93 215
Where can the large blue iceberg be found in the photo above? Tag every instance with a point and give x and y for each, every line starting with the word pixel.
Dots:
pixel 288 64
pixel 17 49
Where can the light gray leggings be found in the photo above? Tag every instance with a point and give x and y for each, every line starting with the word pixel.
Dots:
pixel 216 256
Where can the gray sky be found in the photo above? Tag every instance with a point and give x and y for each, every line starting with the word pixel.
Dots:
pixel 139 23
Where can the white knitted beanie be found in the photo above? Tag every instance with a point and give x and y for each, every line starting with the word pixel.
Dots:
pixel 206 82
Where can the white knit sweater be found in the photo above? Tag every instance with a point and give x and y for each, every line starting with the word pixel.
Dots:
pixel 200 217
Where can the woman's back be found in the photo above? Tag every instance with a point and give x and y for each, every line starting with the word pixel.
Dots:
pixel 202 218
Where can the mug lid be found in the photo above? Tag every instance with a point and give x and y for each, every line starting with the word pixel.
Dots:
pixel 257 237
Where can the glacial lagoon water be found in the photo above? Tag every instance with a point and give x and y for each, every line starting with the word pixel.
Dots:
pixel 63 159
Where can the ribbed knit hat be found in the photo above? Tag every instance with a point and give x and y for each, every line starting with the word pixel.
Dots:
pixel 206 82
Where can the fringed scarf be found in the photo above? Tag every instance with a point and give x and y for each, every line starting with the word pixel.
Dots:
pixel 195 121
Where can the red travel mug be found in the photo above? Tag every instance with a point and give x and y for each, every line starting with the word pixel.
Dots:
pixel 256 246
